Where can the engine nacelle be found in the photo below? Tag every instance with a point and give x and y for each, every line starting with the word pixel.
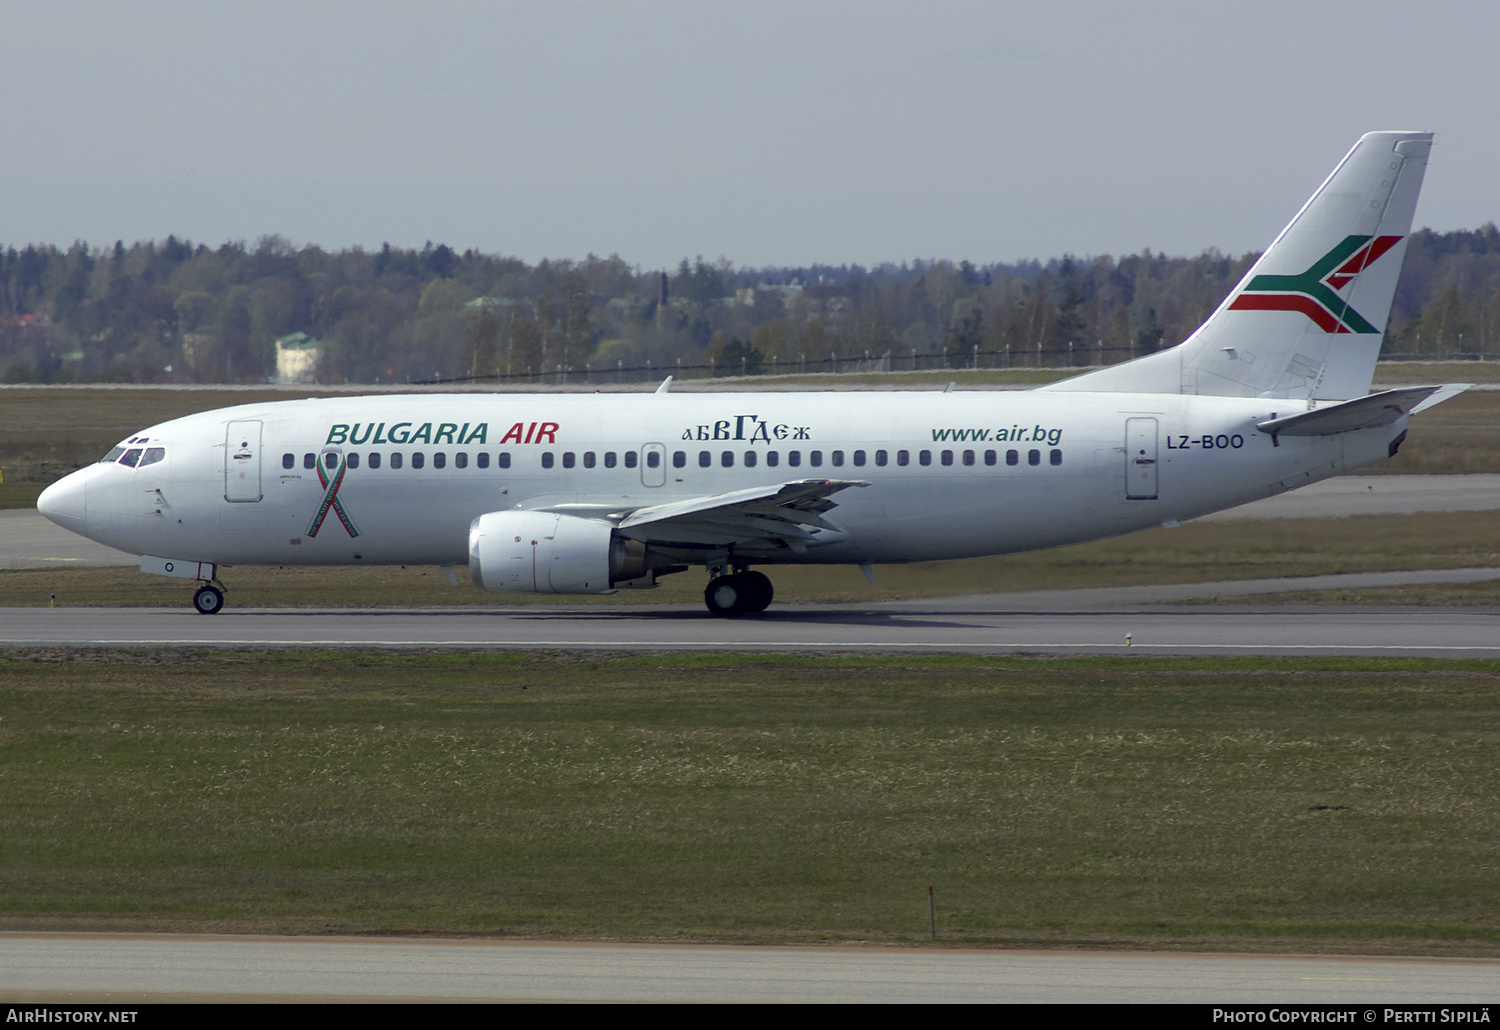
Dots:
pixel 539 552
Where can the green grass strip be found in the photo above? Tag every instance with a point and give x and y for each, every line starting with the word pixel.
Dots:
pixel 1329 805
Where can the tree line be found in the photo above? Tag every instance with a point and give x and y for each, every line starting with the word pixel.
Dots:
pixel 173 311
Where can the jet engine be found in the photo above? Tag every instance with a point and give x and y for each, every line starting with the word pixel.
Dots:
pixel 540 552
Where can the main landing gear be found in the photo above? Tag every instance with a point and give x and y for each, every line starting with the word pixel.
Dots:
pixel 741 593
pixel 209 600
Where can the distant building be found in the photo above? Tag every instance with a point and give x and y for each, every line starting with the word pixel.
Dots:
pixel 297 358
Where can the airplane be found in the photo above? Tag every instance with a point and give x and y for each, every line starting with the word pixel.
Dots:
pixel 593 493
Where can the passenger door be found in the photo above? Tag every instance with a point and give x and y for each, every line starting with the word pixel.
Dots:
pixel 242 461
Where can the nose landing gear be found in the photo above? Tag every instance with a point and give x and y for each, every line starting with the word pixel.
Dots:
pixel 741 593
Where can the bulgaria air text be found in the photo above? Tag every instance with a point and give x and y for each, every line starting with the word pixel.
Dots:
pixel 374 433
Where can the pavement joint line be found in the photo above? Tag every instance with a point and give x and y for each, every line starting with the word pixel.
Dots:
pixel 758 644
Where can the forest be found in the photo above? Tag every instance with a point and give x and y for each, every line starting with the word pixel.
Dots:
pixel 174 311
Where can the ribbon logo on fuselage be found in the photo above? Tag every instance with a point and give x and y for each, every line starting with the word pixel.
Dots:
pixel 331 500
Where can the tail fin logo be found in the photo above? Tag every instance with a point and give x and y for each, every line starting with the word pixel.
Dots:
pixel 1313 292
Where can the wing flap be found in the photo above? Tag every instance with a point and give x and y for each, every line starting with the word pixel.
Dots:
pixel 789 512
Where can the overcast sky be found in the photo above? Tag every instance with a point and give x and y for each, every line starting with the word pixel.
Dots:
pixel 764 132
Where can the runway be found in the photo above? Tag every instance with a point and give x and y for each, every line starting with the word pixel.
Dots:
pixel 983 625
pixel 122 969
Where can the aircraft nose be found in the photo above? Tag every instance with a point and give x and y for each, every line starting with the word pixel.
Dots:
pixel 63 502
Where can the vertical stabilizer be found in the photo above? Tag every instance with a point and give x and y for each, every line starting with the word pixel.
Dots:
pixel 1307 320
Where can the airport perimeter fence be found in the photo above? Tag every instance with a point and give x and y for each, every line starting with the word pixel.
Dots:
pixel 837 364
pixel 1079 358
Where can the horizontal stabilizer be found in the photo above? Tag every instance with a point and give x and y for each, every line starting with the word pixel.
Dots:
pixel 1378 409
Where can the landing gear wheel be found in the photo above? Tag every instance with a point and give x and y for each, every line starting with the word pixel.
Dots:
pixel 208 600
pixel 758 585
pixel 743 593
pixel 727 597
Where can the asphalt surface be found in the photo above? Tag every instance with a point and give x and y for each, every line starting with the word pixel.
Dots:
pixel 29 541
pixel 957 625
pixel 144 968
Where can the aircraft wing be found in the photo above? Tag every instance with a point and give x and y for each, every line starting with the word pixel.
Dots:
pixel 787 513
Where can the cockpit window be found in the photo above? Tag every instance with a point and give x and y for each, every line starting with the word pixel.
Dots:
pixel 132 457
pixel 152 456
pixel 112 455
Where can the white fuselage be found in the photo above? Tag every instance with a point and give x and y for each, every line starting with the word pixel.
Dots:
pixel 951 475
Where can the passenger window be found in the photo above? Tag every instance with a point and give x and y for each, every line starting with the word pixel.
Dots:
pixel 679 459
pixel 859 458
pixel 924 458
pixel 1012 458
pixel 547 459
pixel 330 460
pixel 439 460
pixel 354 461
pixel 794 458
pixel 588 459
pixel 482 459
pixel 903 457
pixel 968 457
pixel 309 461
pixel 374 459
pixel 569 460
pixel 288 460
pixel 131 457
pixel 749 459
pixel 418 459
pixel 502 460
pixel 631 458
pixel 815 458
pixel 461 460
pixel 947 457
pixel 990 457
pixel 609 459
pixel 1033 457
pixel 773 458
pixel 395 459
pixel 1057 457
pixel 705 459
pixel 837 458
pixel 727 459
pixel 880 458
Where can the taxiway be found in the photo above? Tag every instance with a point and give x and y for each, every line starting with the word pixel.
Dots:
pixel 123 969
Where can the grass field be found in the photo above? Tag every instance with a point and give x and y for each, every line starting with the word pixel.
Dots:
pixel 1321 806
